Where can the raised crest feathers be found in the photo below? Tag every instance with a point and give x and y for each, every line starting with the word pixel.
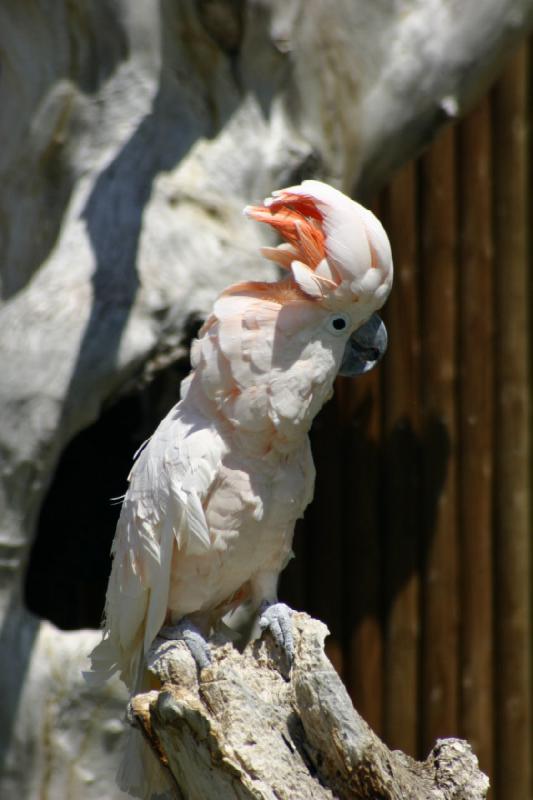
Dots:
pixel 330 235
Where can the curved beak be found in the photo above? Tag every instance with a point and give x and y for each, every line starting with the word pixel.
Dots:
pixel 364 348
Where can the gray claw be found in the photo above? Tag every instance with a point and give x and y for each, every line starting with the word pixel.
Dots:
pixel 277 618
pixel 193 637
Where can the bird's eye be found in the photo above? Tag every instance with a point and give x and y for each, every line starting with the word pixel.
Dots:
pixel 337 323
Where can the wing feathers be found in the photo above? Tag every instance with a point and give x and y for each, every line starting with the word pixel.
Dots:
pixel 159 589
pixel 163 510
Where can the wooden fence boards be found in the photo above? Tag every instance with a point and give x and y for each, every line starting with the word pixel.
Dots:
pixel 438 497
pixel 512 494
pixel 363 565
pixel 401 471
pixel 476 440
pixel 326 534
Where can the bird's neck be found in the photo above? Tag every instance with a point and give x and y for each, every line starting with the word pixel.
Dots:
pixel 252 421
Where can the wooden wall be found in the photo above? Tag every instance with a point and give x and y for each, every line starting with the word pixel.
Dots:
pixel 417 549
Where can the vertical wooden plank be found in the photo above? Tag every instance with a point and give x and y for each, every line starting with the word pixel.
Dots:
pixel 512 436
pixel 529 389
pixel 360 405
pixel 476 431
pixel 362 574
pixel 401 470
pixel 325 531
pixel 361 401
pixel 439 495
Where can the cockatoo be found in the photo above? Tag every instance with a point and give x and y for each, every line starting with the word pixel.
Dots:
pixel 208 520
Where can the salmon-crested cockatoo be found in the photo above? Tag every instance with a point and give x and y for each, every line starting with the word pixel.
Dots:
pixel 208 520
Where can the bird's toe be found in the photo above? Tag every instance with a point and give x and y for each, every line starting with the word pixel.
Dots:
pixel 186 631
pixel 276 617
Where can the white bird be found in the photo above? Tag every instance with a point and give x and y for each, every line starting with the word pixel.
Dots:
pixel 208 520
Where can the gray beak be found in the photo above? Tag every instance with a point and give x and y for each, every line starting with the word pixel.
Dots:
pixel 364 348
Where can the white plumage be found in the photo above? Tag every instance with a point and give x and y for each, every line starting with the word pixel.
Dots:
pixel 208 518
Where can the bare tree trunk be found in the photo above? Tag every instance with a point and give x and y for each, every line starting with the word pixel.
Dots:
pixel 250 728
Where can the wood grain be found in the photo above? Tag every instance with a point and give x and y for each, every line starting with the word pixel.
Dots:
pixel 512 433
pixel 440 603
pixel 476 444
pixel 401 420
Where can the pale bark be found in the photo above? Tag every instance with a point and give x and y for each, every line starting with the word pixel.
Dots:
pixel 249 728
pixel 132 135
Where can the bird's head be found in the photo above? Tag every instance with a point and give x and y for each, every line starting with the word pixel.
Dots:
pixel 339 257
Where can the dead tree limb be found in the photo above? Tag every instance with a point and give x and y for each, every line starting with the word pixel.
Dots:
pixel 247 728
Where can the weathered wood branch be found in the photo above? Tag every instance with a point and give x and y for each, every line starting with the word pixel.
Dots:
pixel 247 728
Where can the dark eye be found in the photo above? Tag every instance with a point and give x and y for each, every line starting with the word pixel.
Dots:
pixel 337 323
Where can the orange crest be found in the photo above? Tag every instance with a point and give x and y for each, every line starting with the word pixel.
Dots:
pixel 302 232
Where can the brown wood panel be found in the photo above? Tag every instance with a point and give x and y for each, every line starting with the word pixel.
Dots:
pixel 476 430
pixel 401 447
pixel 324 533
pixel 363 568
pixel 512 435
pixel 359 413
pixel 440 713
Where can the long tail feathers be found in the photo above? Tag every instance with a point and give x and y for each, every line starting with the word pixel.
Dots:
pixel 103 663
pixel 140 772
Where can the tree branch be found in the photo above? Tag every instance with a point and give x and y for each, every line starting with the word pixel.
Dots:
pixel 247 728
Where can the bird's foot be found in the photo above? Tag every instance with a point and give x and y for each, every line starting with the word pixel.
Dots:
pixel 277 618
pixel 186 631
